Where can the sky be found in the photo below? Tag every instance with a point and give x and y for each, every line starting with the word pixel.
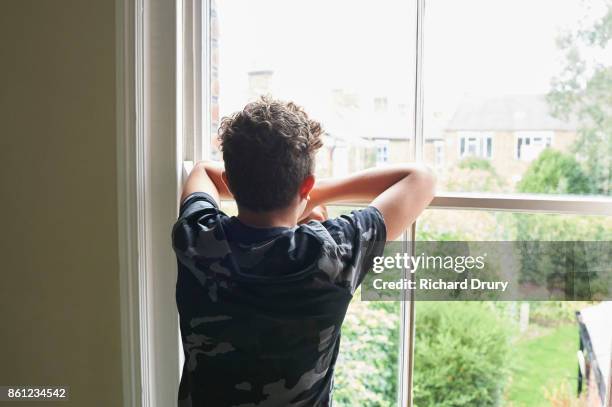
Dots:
pixel 471 47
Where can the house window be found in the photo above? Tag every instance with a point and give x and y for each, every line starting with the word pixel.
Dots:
pixel 473 144
pixel 529 144
pixel 380 104
pixel 439 146
pixel 382 152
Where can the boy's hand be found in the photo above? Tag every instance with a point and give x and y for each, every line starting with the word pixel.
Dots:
pixel 399 192
pixel 318 213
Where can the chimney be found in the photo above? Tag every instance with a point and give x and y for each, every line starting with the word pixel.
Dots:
pixel 260 83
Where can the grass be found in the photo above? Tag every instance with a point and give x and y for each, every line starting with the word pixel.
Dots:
pixel 544 361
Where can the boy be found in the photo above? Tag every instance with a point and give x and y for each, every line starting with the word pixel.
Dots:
pixel 262 295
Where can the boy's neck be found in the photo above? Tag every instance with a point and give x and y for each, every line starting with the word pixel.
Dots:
pixel 271 219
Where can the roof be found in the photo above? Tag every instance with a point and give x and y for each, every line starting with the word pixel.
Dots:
pixel 261 72
pixel 353 124
pixel 508 113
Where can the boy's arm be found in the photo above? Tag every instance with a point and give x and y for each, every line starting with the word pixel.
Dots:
pixel 399 192
pixel 206 177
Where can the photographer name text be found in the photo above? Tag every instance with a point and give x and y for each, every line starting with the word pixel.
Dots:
pixel 431 284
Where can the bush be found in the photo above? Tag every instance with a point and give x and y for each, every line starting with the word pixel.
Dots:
pixel 461 354
pixel 564 396
pixel 474 174
pixel 475 163
pixel 366 372
pixel 554 313
pixel 554 172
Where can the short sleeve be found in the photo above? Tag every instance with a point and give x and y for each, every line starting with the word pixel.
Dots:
pixel 198 222
pixel 195 202
pixel 361 236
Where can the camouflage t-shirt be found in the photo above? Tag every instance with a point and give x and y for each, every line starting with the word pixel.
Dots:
pixel 261 308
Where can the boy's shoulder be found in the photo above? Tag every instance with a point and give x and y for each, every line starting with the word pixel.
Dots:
pixel 202 226
pixel 340 247
pixel 359 225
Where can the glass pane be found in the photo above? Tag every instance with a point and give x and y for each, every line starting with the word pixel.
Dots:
pixel 531 75
pixel 510 353
pixel 352 70
pixel 348 63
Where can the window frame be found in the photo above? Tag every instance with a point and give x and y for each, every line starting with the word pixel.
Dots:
pixel 147 194
pixel 439 154
pixel 481 140
pixel 382 151
pixel 163 55
pixel 474 201
pixel 520 138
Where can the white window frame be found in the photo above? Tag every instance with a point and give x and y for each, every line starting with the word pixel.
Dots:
pixel 439 147
pixel 480 138
pixel 161 123
pixel 546 135
pixel 148 181
pixel 382 151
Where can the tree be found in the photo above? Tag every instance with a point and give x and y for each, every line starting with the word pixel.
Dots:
pixel 583 90
pixel 554 172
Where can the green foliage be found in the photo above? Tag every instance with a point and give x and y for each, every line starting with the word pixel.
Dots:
pixel 366 372
pixel 544 362
pixel 461 352
pixel 474 174
pixel 554 313
pixel 549 227
pixel 424 235
pixel 564 395
pixel 583 90
pixel 475 163
pixel 554 172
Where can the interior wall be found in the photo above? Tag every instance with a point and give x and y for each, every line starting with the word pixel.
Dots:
pixel 59 293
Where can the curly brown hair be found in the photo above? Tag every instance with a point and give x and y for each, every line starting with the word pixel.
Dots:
pixel 269 149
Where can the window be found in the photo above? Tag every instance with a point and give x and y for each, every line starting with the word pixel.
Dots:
pixel 528 89
pixel 529 144
pixel 382 101
pixel 305 66
pixel 439 153
pixel 380 104
pixel 382 152
pixel 516 334
pixel 365 126
pixel 472 144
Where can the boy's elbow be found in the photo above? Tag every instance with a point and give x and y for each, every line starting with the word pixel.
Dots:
pixel 431 179
pixel 426 185
pixel 426 179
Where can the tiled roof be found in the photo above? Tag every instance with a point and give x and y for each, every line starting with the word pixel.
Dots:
pixel 509 113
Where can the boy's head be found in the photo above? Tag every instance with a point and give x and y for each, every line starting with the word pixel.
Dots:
pixel 269 153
